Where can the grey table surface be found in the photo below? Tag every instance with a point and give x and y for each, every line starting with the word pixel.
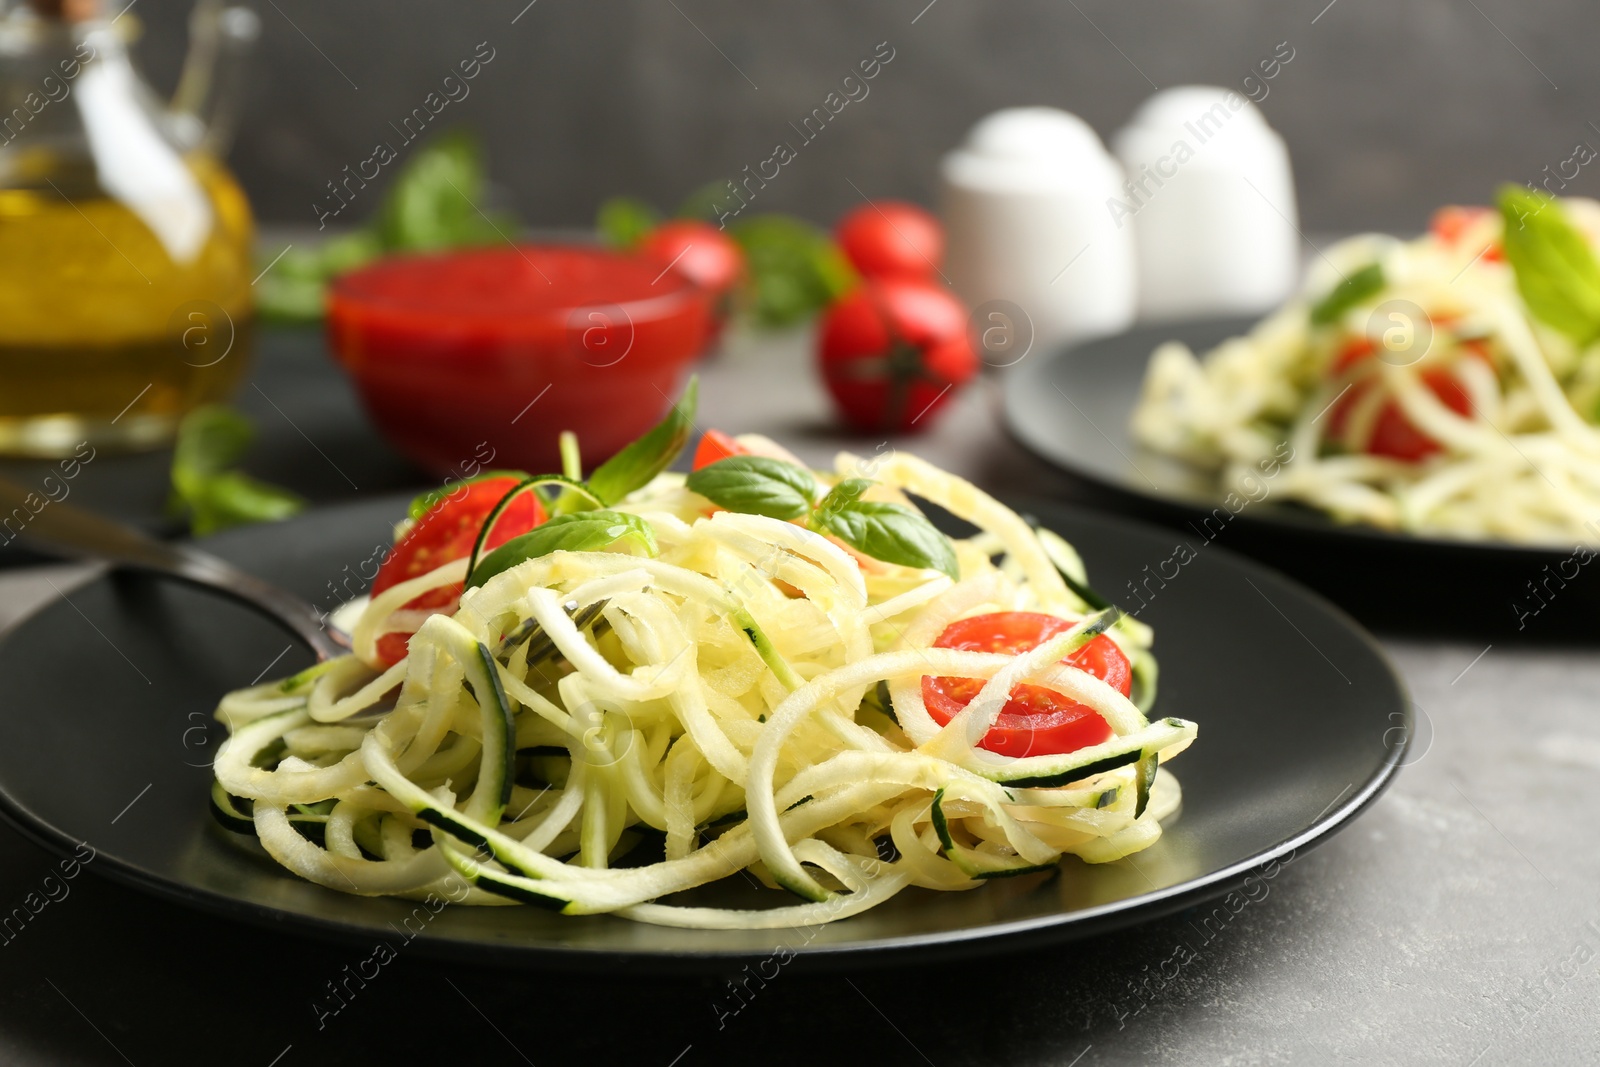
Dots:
pixel 1456 922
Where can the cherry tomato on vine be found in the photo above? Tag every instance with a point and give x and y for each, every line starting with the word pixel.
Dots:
pixel 891 239
pixel 893 352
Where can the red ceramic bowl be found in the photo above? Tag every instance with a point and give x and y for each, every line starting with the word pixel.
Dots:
pixel 483 357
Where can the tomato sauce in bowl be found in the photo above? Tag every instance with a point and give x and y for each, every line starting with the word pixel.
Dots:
pixel 503 348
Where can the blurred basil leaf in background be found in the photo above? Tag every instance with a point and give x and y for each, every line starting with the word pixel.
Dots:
pixel 795 269
pixel 207 490
pixel 436 202
pixel 1354 290
pixel 623 221
pixel 708 202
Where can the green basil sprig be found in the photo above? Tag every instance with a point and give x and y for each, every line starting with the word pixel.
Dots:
pixel 1555 268
pixel 579 520
pixel 585 531
pixel 844 494
pixel 570 488
pixel 637 463
pixel 625 221
pixel 893 533
pixel 1364 284
pixel 890 532
pixel 756 485
pixel 630 469
pixel 432 204
pixel 206 486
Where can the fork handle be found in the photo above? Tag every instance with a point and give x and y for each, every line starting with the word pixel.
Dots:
pixel 61 529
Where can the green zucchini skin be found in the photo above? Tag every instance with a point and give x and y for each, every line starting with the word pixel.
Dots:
pixel 225 809
pixel 1087 770
pixel 977 864
pixel 1144 778
pixel 1075 767
pixel 498 722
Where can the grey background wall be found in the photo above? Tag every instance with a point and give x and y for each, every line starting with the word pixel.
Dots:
pixel 1389 107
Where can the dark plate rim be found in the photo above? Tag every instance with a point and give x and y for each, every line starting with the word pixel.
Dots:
pixel 890 951
pixel 1266 515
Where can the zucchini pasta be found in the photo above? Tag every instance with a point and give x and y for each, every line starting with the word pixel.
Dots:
pixel 715 690
pixel 1447 386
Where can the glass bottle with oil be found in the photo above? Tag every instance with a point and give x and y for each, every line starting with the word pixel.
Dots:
pixel 124 243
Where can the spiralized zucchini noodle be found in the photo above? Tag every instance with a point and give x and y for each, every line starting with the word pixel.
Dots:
pixel 1416 386
pixel 749 700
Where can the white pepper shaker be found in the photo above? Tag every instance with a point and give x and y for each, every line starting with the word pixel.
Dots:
pixel 1024 204
pixel 1209 196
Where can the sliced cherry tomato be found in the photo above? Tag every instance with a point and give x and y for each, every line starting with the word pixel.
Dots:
pixel 1035 721
pixel 1356 350
pixel 891 239
pixel 893 351
pixel 1393 435
pixel 447 532
pixel 1451 222
pixel 714 446
pixel 1339 414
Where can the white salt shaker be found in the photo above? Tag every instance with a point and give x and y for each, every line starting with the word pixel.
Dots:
pixel 1210 199
pixel 1024 204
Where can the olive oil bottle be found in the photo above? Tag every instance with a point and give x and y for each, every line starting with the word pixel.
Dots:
pixel 124 248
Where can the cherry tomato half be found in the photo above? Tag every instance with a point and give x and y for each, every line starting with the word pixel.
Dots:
pixel 445 533
pixel 1393 435
pixel 714 446
pixel 891 239
pixel 1452 222
pixel 1035 721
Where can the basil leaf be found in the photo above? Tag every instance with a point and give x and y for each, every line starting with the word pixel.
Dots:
pixel 704 203
pixel 623 221
pixel 435 199
pixel 426 502
pixel 522 488
pixel 293 282
pixel 1555 268
pixel 795 269
pixel 756 485
pixel 1364 284
pixel 637 463
pixel 586 531
pixel 845 493
pixel 211 440
pixel 890 532
pixel 434 203
pixel 233 498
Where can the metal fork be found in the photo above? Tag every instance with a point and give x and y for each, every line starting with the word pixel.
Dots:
pixel 60 529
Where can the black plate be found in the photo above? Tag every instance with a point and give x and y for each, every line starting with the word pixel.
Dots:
pixel 107 696
pixel 1073 409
